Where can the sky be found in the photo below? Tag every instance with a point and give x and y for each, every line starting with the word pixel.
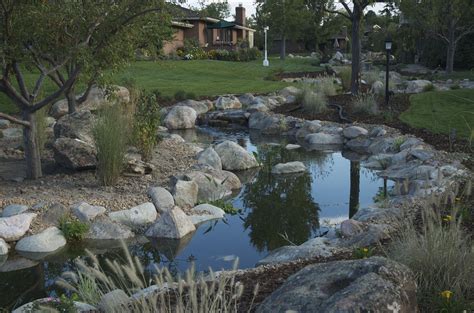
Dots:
pixel 250 5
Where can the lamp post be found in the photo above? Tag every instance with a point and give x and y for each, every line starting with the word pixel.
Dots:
pixel 388 48
pixel 265 61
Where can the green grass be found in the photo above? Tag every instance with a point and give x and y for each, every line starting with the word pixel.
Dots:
pixel 440 111
pixel 457 75
pixel 201 77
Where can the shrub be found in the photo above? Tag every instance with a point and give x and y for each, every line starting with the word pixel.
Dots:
pixel 429 87
pixel 365 103
pixel 111 135
pixel 371 77
pixel 442 258
pixel 313 102
pixel 225 206
pixel 185 293
pixel 191 95
pixel 345 74
pixel 73 229
pixel 145 126
pixel 325 85
pixel 363 253
pixel 180 95
pixel 455 87
pixel 398 143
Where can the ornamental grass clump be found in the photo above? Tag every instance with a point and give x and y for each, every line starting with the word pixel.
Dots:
pixel 165 292
pixel 441 254
pixel 326 86
pixel 365 104
pixel 147 120
pixel 313 102
pixel 111 135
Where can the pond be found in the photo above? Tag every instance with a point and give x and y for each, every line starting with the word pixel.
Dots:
pixel 273 211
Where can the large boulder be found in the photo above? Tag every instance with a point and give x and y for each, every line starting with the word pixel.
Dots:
pixel 359 145
pixel 114 301
pixel 181 117
pixel 78 125
pixel 4 123
pixel 417 86
pixel 289 168
pixel 209 156
pixel 13 133
pixel 105 229
pixel 234 157
pixel 14 209
pixel 14 227
pixel 86 212
pixel 209 188
pixel 229 179
pixel 200 107
pixel 3 247
pixel 161 198
pixel 377 88
pixel 268 124
pixel 74 153
pixel 368 285
pixel 96 98
pixel 185 193
pixel 49 240
pixel 317 247
pixel 323 139
pixel 352 132
pixel 308 127
pixel 138 216
pixel 290 91
pixel 230 102
pixel 173 224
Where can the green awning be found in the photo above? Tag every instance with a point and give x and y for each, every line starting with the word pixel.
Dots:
pixel 221 24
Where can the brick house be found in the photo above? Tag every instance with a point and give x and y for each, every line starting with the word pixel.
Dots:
pixel 211 33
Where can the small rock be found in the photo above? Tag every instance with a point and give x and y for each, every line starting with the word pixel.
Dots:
pixel 4 123
pixel 288 168
pixel 350 228
pixel 292 147
pixel 290 91
pixel 225 103
pixel 14 227
pixel 86 212
pixel 49 240
pixel 409 143
pixel 422 154
pixel 114 301
pixel 173 224
pixel 205 212
pixel 75 154
pixel 161 198
pixel 12 133
pixel 377 132
pixel 14 209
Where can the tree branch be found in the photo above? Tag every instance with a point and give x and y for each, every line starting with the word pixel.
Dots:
pixel 346 6
pixel 20 81
pixel 466 32
pixel 14 119
pixel 337 12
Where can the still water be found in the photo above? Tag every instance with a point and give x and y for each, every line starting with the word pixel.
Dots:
pixel 273 211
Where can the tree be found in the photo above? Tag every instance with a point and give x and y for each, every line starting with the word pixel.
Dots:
pixel 63 41
pixel 355 15
pixel 219 10
pixel 285 18
pixel 448 20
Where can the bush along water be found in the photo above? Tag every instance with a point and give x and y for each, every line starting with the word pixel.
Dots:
pixel 146 122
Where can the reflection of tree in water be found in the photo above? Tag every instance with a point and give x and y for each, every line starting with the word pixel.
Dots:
pixel 355 188
pixel 280 204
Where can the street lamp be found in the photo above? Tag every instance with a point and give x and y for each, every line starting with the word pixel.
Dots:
pixel 265 61
pixel 388 48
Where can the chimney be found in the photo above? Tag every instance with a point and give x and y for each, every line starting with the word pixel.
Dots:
pixel 240 15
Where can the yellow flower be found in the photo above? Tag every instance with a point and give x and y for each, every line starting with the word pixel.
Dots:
pixel 447 218
pixel 458 199
pixel 446 294
pixel 365 250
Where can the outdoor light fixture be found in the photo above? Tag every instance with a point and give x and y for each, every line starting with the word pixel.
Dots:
pixel 265 61
pixel 388 48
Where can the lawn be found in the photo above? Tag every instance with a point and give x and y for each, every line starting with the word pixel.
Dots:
pixel 200 77
pixel 441 111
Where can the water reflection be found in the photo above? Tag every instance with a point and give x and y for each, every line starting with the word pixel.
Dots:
pixel 279 205
pixel 355 188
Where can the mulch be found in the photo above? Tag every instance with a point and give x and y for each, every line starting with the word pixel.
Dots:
pixel 399 103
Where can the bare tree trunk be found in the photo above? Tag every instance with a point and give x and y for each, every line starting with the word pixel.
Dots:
pixel 355 48
pixel 451 49
pixel 32 151
pixel 71 99
pixel 283 47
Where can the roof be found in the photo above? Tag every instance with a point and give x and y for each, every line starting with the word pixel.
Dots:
pixel 221 24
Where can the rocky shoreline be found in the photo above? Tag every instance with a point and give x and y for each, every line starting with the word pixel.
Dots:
pixel 420 173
